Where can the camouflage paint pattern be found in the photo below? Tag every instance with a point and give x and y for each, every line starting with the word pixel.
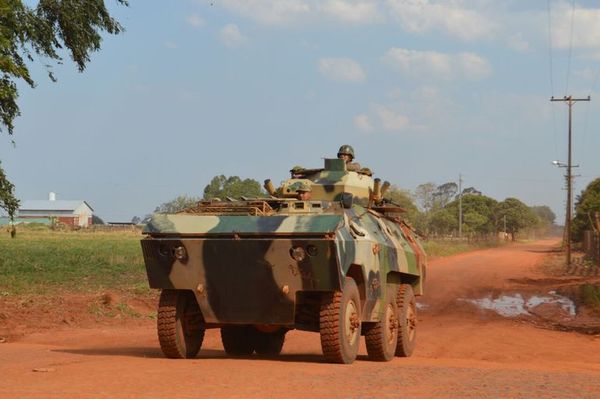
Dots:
pixel 258 269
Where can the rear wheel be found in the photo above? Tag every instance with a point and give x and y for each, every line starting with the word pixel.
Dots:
pixel 382 337
pixel 269 343
pixel 180 324
pixel 238 340
pixel 340 324
pixel 407 321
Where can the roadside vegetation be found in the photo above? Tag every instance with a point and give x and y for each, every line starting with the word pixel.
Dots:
pixel 439 248
pixel 43 261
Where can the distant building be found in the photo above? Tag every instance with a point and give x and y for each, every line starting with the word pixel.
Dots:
pixel 75 213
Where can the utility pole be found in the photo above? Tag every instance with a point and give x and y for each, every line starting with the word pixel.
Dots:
pixel 570 101
pixel 460 205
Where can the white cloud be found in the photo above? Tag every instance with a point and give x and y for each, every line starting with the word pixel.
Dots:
pixel 433 64
pixel 269 12
pixel 390 119
pixel 231 36
pixel 342 69
pixel 586 29
pixel 451 17
pixel 473 66
pixel 356 12
pixel 195 20
pixel 363 123
pixel 422 110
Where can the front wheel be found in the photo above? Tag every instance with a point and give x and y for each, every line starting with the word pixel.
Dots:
pixel 340 324
pixel 180 324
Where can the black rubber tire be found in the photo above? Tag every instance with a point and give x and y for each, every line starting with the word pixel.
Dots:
pixel 340 324
pixel 381 338
pixel 407 321
pixel 180 324
pixel 269 344
pixel 238 340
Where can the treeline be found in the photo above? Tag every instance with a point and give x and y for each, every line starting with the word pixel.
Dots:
pixel 432 209
pixel 587 210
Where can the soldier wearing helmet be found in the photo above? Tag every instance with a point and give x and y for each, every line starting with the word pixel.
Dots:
pixel 304 192
pixel 297 172
pixel 346 152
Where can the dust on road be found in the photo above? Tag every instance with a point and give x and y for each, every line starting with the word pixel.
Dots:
pixel 462 352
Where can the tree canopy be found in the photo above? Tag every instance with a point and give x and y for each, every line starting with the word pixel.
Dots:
pixel 518 215
pixel 587 203
pixel 177 204
pixel 404 199
pixel 8 202
pixel 233 186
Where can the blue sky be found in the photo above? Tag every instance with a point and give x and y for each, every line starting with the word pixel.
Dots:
pixel 423 90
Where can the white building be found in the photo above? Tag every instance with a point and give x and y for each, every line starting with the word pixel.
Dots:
pixel 70 212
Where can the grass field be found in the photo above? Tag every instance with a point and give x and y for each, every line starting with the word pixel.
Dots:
pixel 41 261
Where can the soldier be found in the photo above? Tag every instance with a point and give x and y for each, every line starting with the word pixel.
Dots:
pixel 297 172
pixel 346 152
pixel 304 192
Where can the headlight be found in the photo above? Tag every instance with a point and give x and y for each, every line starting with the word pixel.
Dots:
pixel 180 253
pixel 298 254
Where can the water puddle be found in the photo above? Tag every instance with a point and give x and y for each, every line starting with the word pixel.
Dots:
pixel 513 305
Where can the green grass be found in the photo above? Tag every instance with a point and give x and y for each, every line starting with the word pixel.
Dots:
pixel 437 248
pixel 41 261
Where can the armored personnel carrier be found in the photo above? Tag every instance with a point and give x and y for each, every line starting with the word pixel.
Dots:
pixel 342 263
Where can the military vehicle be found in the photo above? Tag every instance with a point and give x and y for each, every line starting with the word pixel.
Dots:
pixel 342 263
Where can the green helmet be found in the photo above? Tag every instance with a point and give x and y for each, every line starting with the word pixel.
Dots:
pixel 304 187
pixel 346 150
pixel 297 169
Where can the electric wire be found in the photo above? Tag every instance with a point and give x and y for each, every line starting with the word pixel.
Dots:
pixel 570 47
pixel 551 70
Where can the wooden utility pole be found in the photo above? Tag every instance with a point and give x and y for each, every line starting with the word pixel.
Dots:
pixel 570 101
pixel 460 215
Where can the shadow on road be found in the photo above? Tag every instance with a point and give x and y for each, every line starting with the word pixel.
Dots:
pixel 155 353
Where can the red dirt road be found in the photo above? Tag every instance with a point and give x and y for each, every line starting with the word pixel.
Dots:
pixel 462 352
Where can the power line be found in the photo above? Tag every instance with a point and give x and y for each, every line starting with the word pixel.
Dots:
pixel 570 46
pixel 551 70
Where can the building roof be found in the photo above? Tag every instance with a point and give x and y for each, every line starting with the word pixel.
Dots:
pixel 47 205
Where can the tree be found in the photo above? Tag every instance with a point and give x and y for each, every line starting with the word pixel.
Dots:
pixel 136 220
pixel 177 204
pixel 443 221
pixel 471 190
pixel 234 187
pixel 44 30
pixel 404 199
pixel 444 194
pixel 545 214
pixel 518 216
pixel 586 205
pixel 8 202
pixel 478 216
pixel 424 195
